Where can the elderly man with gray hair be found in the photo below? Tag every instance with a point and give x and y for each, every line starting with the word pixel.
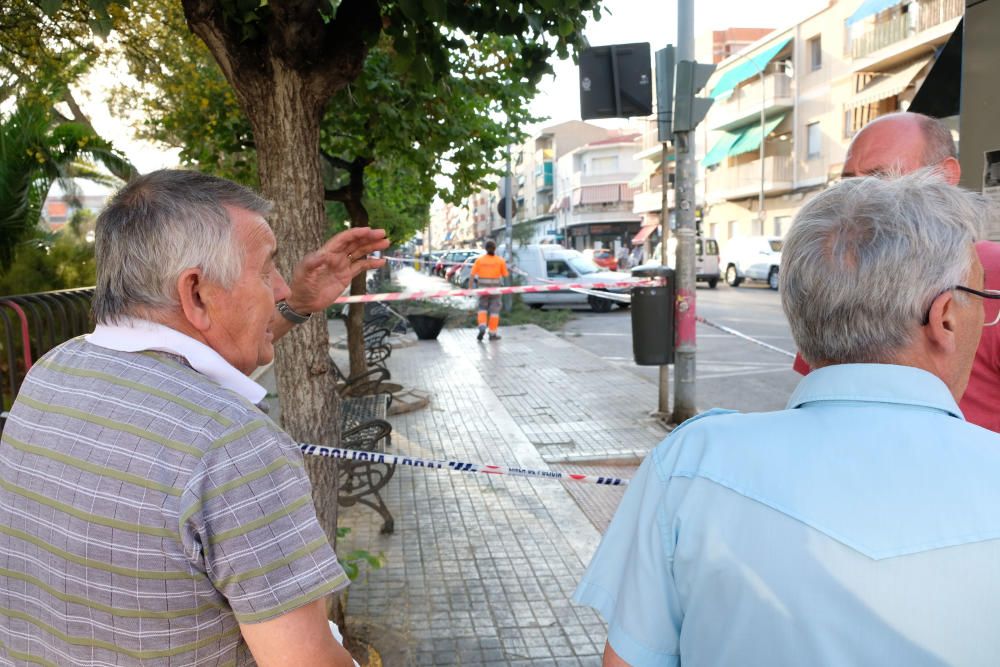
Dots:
pixel 859 526
pixel 149 512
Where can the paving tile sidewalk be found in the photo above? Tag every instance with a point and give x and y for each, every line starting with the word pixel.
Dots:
pixel 480 569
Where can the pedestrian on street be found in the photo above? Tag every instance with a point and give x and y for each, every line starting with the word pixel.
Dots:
pixel 488 271
pixel 623 258
pixel 858 526
pixel 900 143
pixel 149 511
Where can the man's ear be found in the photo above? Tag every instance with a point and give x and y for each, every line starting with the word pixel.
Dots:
pixel 191 294
pixel 952 170
pixel 942 322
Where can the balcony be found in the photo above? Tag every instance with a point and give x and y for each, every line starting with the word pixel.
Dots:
pixel 744 180
pixel 580 179
pixel 543 176
pixel 652 147
pixel 651 201
pixel 743 106
pixel 924 15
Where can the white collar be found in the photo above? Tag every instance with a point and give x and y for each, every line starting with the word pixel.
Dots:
pixel 135 335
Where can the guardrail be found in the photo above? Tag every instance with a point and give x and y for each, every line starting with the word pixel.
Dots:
pixel 33 324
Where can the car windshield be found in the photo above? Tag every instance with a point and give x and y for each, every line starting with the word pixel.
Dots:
pixel 582 265
pixel 776 245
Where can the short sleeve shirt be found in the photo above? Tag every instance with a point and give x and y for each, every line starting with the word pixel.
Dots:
pixel 857 527
pixel 145 512
pixel 489 267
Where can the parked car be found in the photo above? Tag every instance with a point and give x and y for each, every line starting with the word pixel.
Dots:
pixel 465 264
pixel 461 277
pixel 752 258
pixel 706 255
pixel 545 264
pixel 603 257
pixel 452 259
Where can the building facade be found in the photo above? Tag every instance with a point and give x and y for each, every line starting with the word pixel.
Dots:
pixel 787 107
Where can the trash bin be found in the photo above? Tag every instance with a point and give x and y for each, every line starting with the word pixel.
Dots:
pixel 653 318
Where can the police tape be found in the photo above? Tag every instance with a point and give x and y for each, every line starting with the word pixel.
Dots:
pixel 751 339
pixel 457 466
pixel 493 291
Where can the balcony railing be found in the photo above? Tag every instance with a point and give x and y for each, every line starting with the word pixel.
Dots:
pixel 745 102
pixel 745 179
pixel 652 201
pixel 923 15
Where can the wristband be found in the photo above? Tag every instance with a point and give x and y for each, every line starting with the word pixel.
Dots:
pixel 290 315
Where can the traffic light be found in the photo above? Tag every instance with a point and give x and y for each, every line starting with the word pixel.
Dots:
pixel 689 79
pixel 664 93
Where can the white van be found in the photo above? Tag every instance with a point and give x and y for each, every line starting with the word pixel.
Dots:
pixel 547 263
pixel 752 258
pixel 706 257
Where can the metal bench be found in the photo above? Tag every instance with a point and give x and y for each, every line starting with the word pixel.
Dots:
pixel 364 428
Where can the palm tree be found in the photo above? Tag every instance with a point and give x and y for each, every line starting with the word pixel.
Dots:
pixel 37 148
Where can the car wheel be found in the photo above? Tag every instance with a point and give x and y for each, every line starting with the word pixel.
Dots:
pixel 599 305
pixel 731 278
pixel 772 278
pixel 712 282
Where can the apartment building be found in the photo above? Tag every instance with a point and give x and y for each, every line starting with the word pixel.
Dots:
pixel 787 106
pixel 593 194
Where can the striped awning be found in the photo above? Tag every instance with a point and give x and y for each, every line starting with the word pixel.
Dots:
pixel 889 85
pixel 721 149
pixel 741 140
pixel 870 8
pixel 598 194
pixel 644 233
pixel 746 68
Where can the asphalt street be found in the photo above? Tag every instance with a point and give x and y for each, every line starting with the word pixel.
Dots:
pixel 731 372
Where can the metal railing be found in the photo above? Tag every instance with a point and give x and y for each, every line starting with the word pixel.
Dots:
pixel 923 15
pixel 33 324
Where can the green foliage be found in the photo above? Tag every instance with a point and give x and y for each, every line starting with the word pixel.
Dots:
pixel 50 261
pixel 355 560
pixel 38 149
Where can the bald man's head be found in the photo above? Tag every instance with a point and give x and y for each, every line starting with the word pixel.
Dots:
pixel 900 143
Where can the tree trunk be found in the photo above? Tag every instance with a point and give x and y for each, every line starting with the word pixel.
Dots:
pixel 356 315
pixel 286 128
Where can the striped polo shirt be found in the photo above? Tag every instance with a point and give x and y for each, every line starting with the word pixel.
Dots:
pixel 145 512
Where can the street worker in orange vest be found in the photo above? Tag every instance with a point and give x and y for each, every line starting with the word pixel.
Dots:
pixel 489 271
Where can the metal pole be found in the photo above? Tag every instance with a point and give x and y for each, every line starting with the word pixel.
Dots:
pixel 760 200
pixel 507 204
pixel 664 401
pixel 684 181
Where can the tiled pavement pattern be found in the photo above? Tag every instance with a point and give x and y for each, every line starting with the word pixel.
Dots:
pixel 571 404
pixel 598 502
pixel 480 569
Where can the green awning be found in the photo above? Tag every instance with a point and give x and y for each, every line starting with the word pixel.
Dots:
pixel 722 148
pixel 751 137
pixel 749 67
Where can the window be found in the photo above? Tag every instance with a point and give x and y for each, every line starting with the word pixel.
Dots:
pixel 814 141
pixel 815 53
pixel 731 231
pixel 713 230
pixel 758 227
pixel 557 269
pixel 604 165
pixel 781 224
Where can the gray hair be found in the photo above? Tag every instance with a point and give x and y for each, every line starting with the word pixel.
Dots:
pixel 864 260
pixel 157 227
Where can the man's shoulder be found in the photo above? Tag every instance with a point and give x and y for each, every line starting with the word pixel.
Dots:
pixel 157 384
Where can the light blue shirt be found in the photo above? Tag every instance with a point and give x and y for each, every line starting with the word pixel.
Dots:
pixel 859 526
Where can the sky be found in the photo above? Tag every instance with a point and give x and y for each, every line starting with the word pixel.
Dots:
pixel 622 22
